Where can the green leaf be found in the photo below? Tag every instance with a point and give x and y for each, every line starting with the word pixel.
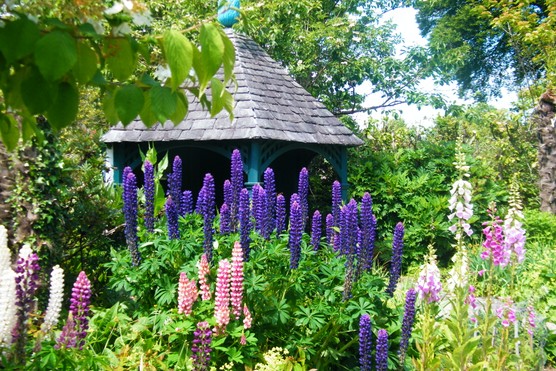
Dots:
pixel 63 110
pixel 209 60
pixel 128 101
pixel 110 109
pixel 163 103
pixel 37 93
pixel 29 128
pixel 221 98
pixel 229 58
pixel 146 114
pixel 120 58
pixel 87 62
pixel 181 108
pixel 179 55
pixel 18 39
pixel 55 54
pixel 9 131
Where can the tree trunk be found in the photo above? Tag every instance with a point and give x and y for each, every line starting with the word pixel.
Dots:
pixel 544 119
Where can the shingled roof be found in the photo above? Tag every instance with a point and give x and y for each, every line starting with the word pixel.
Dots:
pixel 269 104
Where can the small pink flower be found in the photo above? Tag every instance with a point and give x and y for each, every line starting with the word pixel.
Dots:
pixel 531 320
pixel 506 313
pixel 482 271
pixel 247 320
pixel 243 340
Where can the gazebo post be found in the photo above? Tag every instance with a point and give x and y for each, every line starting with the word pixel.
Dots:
pixel 254 163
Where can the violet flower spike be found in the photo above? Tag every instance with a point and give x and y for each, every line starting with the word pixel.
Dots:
pixel 296 233
pixel 368 233
pixel 407 323
pixel 130 215
pixel 175 181
pixel 208 213
pixel 225 219
pixel 336 202
pixel 270 187
pixel 201 349
pixel 236 179
pixel 227 191
pixel 74 332
pixel 365 343
pixel 316 230
pixel 148 188
pixel 396 262
pixel 280 214
pixel 172 216
pixel 382 350
pixel 245 223
pixel 329 228
pixel 186 203
pixel 303 192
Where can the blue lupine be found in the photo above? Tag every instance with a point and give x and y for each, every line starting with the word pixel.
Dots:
pixel 270 188
pixel 316 230
pixel 382 350
pixel 174 182
pixel 208 206
pixel 262 214
pixel 396 261
pixel 407 323
pixel 368 234
pixel 255 202
pixel 236 180
pixel 280 214
pixel 186 204
pixel 329 228
pixel 172 216
pixel 228 199
pixel 245 224
pixel 348 243
pixel 148 188
pixel 224 219
pixel 303 192
pixel 130 215
pixel 336 202
pixel 296 233
pixel 365 343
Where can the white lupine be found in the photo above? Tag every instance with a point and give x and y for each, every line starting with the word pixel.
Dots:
pixel 55 300
pixel 7 290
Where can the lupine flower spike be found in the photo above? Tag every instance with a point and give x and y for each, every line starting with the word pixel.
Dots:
pixel 329 228
pixel 225 219
pixel 303 192
pixel 174 182
pixel 208 206
pixel 186 204
pixel 236 180
pixel 172 216
pixel 270 187
pixel 382 350
pixel 247 319
pixel 368 234
pixel 407 323
pixel 8 289
pixel 245 224
pixel 202 339
pixel 396 262
pixel 75 330
pixel 280 214
pixel 222 295
pixel 236 286
pixel 130 215
pixel 365 346
pixel 148 188
pixel 336 202
pixel 316 230
pixel 203 272
pixel 55 300
pixel 187 294
pixel 296 232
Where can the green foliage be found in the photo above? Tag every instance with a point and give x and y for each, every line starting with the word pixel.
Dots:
pixel 58 58
pixel 541 227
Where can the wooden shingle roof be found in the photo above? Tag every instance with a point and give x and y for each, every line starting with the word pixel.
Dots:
pixel 269 104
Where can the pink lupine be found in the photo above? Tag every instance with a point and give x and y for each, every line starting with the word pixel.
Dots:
pixel 203 272
pixel 236 289
pixel 187 294
pixel 247 319
pixel 222 295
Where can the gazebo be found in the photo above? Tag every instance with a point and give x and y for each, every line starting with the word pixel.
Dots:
pixel 276 124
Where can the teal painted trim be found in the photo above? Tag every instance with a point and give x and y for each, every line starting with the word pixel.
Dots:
pixel 254 165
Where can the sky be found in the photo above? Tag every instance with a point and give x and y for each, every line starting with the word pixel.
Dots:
pixel 404 18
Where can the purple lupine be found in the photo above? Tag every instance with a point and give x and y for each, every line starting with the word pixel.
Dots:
pixel 79 306
pixel 245 224
pixel 208 205
pixel 348 243
pixel 365 346
pixel 382 350
pixel 236 178
pixel 336 202
pixel 224 219
pixel 186 203
pixel 199 203
pixel 396 261
pixel 368 234
pixel 68 336
pixel 130 215
pixel 148 188
pixel 316 230
pixel 303 192
pixel 174 182
pixel 227 191
pixel 280 214
pixel 270 187
pixel 172 219
pixel 407 323
pixel 26 280
pixel 296 233
pixel 202 339
pixel 255 204
pixel 262 214
pixel 329 228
